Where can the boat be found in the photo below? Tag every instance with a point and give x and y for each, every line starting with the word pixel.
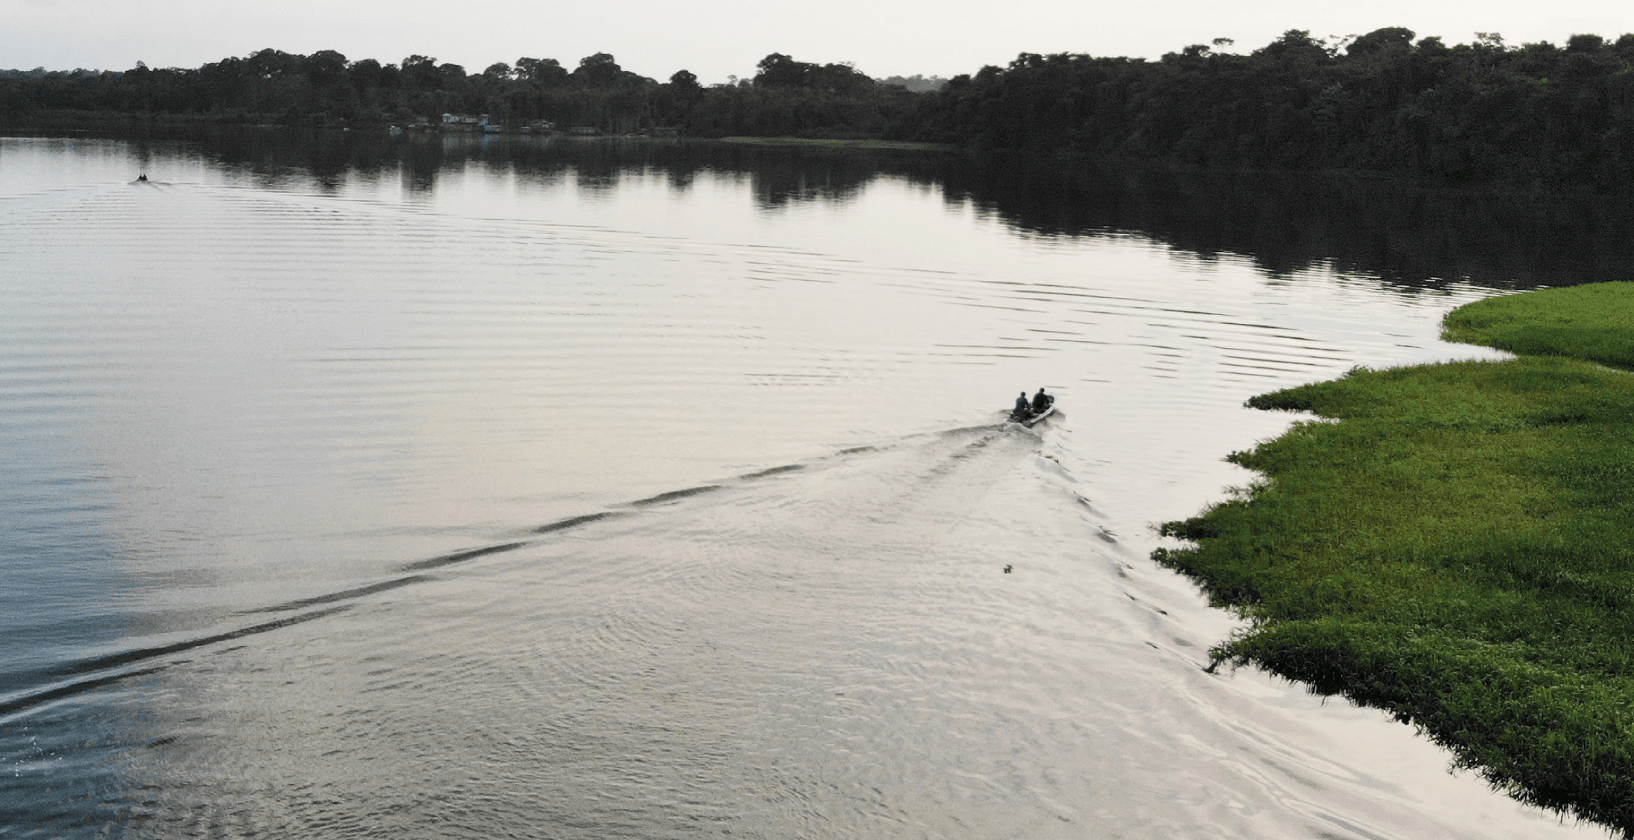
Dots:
pixel 1033 418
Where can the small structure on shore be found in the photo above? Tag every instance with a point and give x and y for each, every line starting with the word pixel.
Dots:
pixel 467 122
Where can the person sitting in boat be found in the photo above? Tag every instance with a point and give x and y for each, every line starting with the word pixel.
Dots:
pixel 1022 412
pixel 1041 401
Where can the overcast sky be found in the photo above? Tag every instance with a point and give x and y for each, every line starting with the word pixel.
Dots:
pixel 719 38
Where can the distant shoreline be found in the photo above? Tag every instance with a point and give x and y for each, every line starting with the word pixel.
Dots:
pixel 819 143
pixel 118 122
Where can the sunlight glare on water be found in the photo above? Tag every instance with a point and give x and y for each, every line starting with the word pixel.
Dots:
pixel 565 498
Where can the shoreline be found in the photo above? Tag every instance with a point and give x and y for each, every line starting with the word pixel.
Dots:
pixel 820 143
pixel 1458 549
pixel 124 124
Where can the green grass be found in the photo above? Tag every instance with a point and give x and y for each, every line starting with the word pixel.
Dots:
pixel 1458 549
pixel 1593 322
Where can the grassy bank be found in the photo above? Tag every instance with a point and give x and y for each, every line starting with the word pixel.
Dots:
pixel 1459 548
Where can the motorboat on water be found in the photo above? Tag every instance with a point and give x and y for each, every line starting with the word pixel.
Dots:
pixel 1032 418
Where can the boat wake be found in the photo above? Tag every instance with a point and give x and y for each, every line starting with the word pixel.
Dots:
pixel 907 489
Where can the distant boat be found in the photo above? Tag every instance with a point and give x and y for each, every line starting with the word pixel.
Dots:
pixel 1033 418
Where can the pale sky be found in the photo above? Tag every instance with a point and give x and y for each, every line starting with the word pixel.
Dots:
pixel 718 38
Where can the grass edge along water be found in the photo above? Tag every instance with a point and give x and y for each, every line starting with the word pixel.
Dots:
pixel 1458 548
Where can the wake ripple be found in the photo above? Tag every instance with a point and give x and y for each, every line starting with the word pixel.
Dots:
pixel 109 669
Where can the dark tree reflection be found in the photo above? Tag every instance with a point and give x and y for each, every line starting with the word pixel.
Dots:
pixel 1398 231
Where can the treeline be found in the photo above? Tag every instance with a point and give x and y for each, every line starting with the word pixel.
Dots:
pixel 1382 102
pixel 326 89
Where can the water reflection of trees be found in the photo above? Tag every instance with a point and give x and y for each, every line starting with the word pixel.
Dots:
pixel 778 176
pixel 1403 233
pixel 1285 223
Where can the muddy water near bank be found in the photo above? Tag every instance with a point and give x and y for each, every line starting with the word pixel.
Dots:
pixel 579 506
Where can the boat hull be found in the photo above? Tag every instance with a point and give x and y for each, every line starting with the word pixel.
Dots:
pixel 1033 419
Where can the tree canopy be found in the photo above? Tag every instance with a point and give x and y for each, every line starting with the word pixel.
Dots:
pixel 1382 101
pixel 1386 101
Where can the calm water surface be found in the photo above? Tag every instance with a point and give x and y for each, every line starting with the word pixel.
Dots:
pixel 562 496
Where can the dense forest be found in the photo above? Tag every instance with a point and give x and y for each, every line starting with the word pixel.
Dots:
pixel 1386 101
pixel 786 97
pixel 1380 102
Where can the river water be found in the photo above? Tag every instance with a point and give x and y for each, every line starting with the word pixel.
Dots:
pixel 589 489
